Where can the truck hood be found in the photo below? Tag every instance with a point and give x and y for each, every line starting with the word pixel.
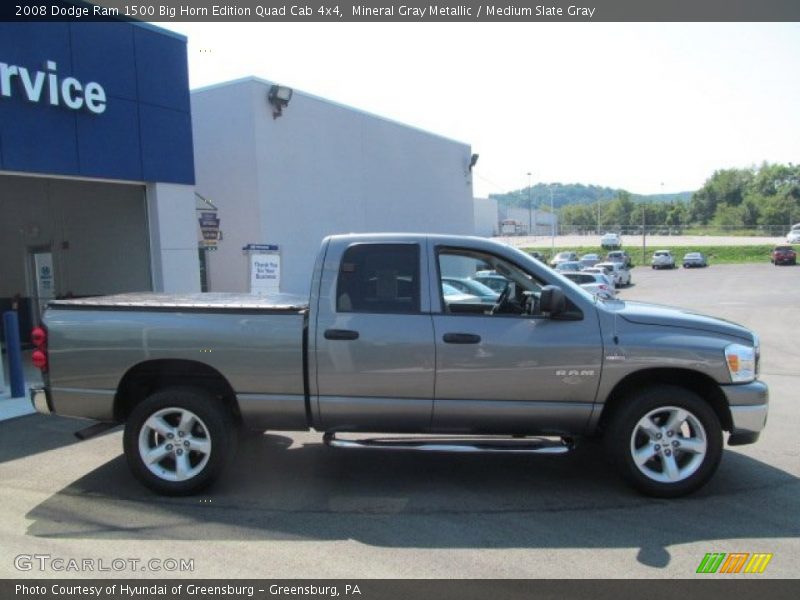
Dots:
pixel 669 316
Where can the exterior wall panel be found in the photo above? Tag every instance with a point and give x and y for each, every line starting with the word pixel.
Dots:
pixel 319 169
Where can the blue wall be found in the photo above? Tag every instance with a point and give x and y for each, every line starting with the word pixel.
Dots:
pixel 145 132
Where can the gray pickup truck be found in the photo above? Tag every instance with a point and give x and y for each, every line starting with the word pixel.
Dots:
pixel 409 337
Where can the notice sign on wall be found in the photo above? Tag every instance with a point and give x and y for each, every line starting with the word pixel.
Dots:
pixel 265 273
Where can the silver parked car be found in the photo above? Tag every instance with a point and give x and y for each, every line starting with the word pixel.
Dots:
pixel 475 288
pixel 589 260
pixel 606 272
pixel 594 283
pixel 694 259
pixel 565 256
pixel 662 259
pixel 620 274
pixel 610 240
pixel 570 265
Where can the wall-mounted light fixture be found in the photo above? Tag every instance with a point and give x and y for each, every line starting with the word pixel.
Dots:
pixel 278 97
pixel 473 160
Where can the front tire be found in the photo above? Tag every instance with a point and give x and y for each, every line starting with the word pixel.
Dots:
pixel 666 441
pixel 178 440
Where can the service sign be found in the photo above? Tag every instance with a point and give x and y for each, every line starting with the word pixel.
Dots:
pixel 49 87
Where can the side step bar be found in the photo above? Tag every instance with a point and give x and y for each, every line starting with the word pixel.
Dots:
pixel 454 444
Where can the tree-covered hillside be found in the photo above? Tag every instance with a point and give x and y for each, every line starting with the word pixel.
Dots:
pixel 575 193
pixel 765 198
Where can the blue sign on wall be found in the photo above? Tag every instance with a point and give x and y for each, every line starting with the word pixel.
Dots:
pixel 106 100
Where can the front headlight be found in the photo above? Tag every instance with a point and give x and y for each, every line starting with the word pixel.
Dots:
pixel 741 362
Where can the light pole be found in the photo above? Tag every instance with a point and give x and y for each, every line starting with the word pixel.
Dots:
pixel 530 214
pixel 644 233
pixel 598 216
pixel 552 223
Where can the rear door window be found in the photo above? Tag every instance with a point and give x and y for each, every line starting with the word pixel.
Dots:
pixel 379 278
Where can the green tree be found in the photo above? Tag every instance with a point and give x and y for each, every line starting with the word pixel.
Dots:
pixel 728 217
pixel 676 215
pixel 726 186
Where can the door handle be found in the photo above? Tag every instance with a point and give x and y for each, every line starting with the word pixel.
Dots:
pixel 341 334
pixel 461 338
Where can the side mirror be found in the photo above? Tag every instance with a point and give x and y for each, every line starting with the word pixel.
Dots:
pixel 552 301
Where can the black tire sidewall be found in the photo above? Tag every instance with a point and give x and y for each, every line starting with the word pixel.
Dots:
pixel 214 415
pixel 639 404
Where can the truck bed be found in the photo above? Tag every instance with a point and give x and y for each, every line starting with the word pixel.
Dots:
pixel 255 342
pixel 203 302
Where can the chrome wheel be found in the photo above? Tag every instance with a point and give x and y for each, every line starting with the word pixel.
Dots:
pixel 668 444
pixel 174 444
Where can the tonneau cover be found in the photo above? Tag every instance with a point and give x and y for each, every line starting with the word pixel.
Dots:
pixel 195 301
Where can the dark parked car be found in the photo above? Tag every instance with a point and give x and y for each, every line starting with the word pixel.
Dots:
pixel 537 255
pixel 694 259
pixel 619 256
pixel 783 255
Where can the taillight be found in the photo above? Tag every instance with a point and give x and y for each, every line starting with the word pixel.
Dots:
pixel 38 336
pixel 39 359
pixel 39 355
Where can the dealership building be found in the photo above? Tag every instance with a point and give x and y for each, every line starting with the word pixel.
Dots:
pixel 96 164
pixel 285 168
pixel 115 178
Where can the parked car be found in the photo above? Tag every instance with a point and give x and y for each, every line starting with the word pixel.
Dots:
pixel 570 265
pixel 783 255
pixel 793 237
pixel 694 259
pixel 589 260
pixel 370 351
pixel 619 273
pixel 466 285
pixel 610 240
pixel 594 283
pixel 564 256
pixel 619 256
pixel 607 273
pixel 453 294
pixel 492 280
pixel 662 259
pixel 537 255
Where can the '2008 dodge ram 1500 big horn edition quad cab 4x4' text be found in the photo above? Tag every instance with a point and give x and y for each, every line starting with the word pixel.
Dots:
pixel 382 346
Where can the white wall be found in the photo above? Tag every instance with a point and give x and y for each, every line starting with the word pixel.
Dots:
pixel 486 217
pixel 542 220
pixel 173 237
pixel 319 169
pixel 226 173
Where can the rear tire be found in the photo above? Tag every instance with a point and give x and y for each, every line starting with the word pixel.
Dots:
pixel 666 441
pixel 178 440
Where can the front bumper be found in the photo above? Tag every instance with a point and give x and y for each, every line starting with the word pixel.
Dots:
pixel 749 404
pixel 40 401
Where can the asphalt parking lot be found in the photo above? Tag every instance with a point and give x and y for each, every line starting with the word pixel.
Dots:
pixel 291 507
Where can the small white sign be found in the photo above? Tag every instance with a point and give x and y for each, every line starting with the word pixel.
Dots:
pixel 45 286
pixel 265 273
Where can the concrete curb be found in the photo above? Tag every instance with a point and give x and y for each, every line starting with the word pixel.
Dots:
pixel 11 408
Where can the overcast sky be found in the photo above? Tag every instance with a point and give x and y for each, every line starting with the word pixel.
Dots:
pixel 644 107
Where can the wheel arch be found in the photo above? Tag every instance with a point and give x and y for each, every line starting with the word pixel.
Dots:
pixel 700 383
pixel 146 377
